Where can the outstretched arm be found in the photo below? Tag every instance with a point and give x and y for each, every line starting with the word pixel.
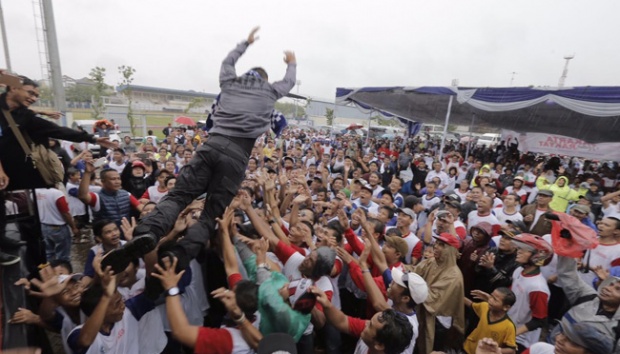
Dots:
pixel 227 71
pixel 285 85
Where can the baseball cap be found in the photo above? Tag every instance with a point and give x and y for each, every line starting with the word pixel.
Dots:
pixel 454 204
pixel 452 197
pixel 281 343
pixel 449 239
pixel 367 187
pixel 484 227
pixel 587 336
pixel 584 209
pixel 546 192
pixel 398 243
pixel 418 289
pixel 65 277
pixel 518 178
pixel 138 163
pixel 407 211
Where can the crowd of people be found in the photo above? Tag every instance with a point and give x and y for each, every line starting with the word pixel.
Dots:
pixel 218 242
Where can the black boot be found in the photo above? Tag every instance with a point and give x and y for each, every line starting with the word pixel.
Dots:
pixel 11 244
pixel 7 259
pixel 137 247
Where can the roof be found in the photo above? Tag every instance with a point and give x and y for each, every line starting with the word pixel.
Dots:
pixel 166 91
pixel 589 113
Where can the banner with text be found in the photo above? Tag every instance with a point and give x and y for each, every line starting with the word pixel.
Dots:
pixel 562 145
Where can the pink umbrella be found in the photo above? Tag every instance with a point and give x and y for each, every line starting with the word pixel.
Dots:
pixel 184 121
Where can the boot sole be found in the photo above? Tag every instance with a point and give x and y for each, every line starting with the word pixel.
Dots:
pixel 120 258
pixel 11 262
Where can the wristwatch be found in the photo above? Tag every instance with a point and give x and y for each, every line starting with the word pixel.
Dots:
pixel 264 265
pixel 173 291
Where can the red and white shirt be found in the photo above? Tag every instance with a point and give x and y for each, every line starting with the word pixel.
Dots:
pixel 153 194
pixel 532 293
pixel 503 216
pixel 474 218
pixel 606 256
pixel 51 204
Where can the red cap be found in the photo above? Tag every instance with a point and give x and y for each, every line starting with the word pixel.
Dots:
pixel 138 164
pixel 449 239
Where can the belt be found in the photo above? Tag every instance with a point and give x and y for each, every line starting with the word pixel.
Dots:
pixel 53 226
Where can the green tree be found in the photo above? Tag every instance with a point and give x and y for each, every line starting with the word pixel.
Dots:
pixel 80 93
pixel 385 122
pixel 46 95
pixel 97 74
pixel 289 109
pixel 127 73
pixel 329 115
pixel 195 102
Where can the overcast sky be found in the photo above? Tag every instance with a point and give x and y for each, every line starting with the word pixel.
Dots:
pixel 180 44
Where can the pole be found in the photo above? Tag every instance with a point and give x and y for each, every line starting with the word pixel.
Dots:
pixel 445 128
pixel 471 127
pixel 369 121
pixel 5 41
pixel 60 102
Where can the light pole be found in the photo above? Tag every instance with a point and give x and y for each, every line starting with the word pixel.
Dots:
pixel 5 41
pixel 298 83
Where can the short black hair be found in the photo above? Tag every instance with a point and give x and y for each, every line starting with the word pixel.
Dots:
pixel 262 72
pixel 338 229
pixel 246 294
pixel 26 81
pixel 99 225
pixel 169 178
pixel 119 150
pixel 62 263
pixel 91 298
pixel 396 333
pixel 378 226
pixel 389 210
pixel 509 296
pixel 105 171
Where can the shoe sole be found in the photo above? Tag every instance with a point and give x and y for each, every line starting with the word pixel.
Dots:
pixel 16 260
pixel 117 259
pixel 120 258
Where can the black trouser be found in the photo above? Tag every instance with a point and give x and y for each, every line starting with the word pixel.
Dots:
pixel 218 168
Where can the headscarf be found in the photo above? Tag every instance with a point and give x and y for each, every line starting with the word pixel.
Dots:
pixel 445 296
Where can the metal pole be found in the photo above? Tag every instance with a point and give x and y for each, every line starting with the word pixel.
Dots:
pixel 445 128
pixel 52 45
pixel 5 41
pixel 369 121
pixel 471 127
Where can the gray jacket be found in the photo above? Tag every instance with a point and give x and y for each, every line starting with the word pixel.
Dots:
pixel 245 104
pixel 584 300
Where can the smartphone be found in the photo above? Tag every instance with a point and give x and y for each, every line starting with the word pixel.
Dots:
pixel 10 80
pixel 143 156
pixel 100 162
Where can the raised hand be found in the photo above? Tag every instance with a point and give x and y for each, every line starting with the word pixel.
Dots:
pixel 166 274
pixel 289 57
pixel 229 300
pixel 343 219
pixel 344 255
pixel 480 295
pixel 128 227
pixel 49 283
pixel 252 36
pixel 487 260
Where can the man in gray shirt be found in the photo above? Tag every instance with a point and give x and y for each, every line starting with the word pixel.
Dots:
pixel 242 114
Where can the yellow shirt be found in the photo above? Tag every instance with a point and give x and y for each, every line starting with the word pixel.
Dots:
pixel 502 331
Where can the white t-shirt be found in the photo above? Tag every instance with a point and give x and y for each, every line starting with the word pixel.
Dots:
pixel 50 203
pixel 503 217
pixel 121 340
pixel 429 202
pixel 118 168
pixel 473 218
pixel 542 348
pixel 602 255
pixel 362 348
pixel 520 313
pixel 76 206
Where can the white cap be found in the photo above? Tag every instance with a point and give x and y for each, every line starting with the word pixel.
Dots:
pixel 415 283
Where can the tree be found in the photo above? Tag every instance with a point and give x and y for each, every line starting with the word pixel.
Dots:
pixel 127 78
pixel 329 115
pixel 385 122
pixel 289 109
pixel 195 102
pixel 97 74
pixel 80 93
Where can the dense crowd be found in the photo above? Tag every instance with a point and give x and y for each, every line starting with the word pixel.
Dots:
pixel 332 243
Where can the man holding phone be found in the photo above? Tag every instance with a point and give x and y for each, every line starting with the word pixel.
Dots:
pixel 243 113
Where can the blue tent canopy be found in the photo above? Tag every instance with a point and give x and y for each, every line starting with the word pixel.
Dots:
pixel 589 113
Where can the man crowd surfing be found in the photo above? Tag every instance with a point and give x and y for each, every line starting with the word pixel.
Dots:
pixel 239 240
